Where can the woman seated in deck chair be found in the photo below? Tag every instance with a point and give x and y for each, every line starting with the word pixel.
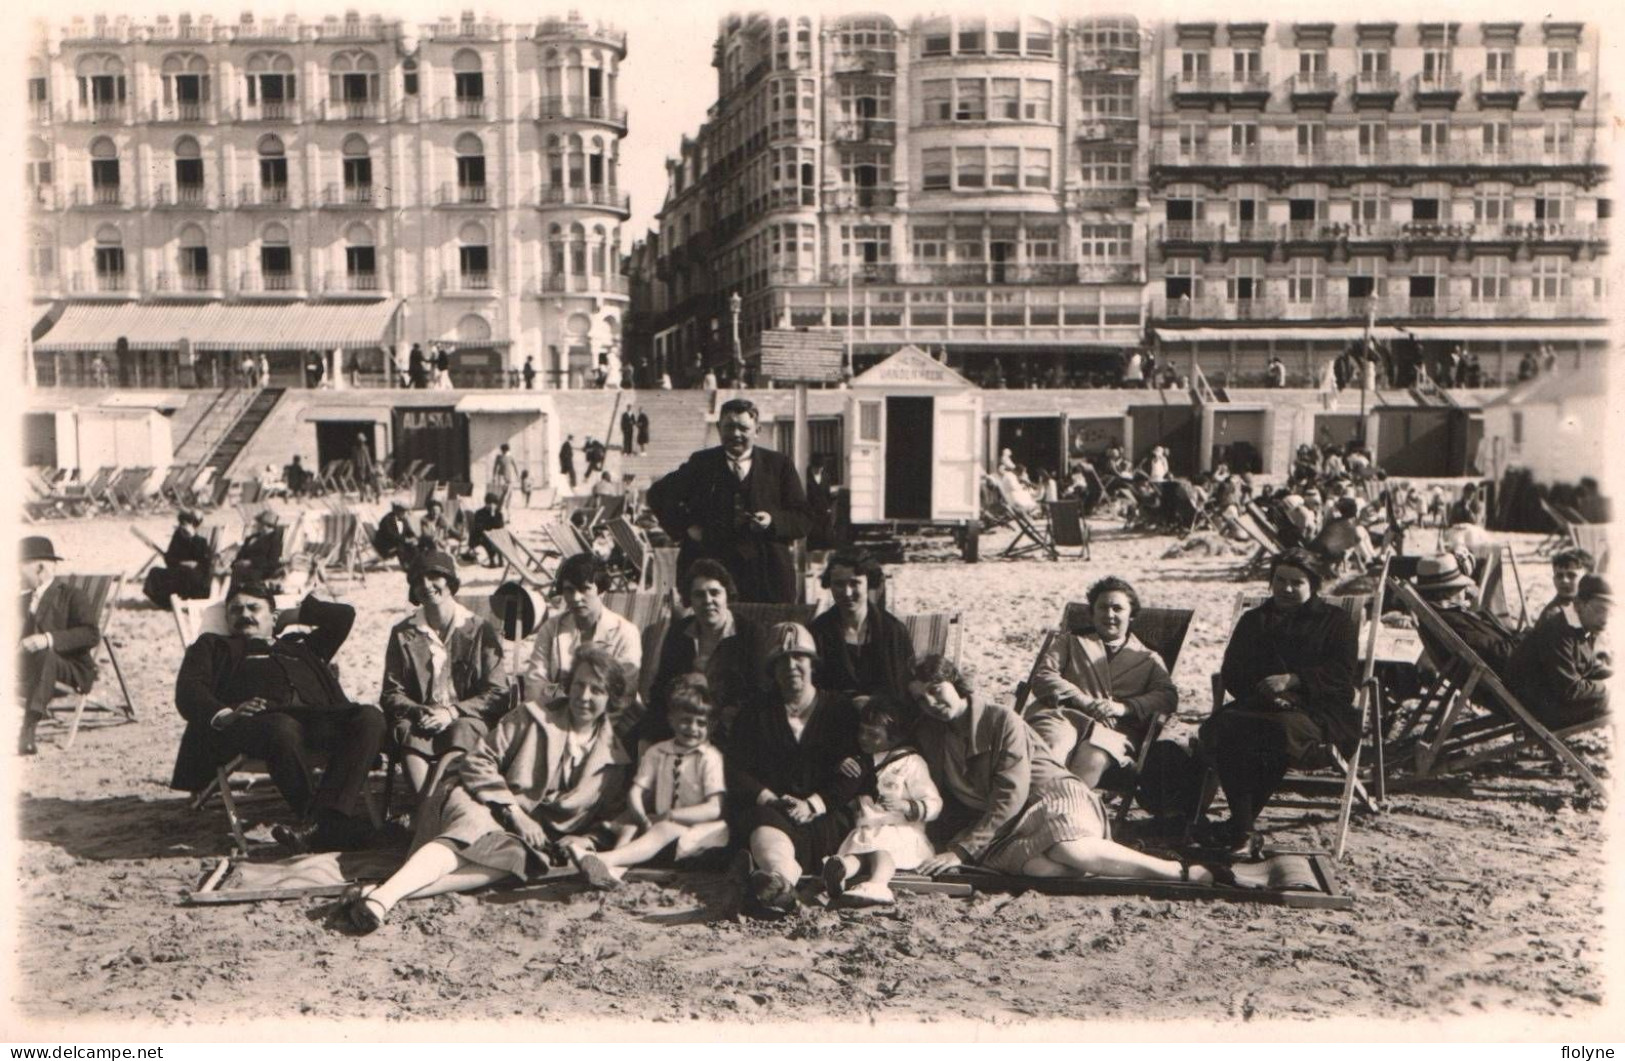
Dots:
pixel 1097 693
pixel 1289 671
pixel 529 794
pixel 1009 805
pixel 581 583
pixel 188 568
pixel 712 641
pixel 865 648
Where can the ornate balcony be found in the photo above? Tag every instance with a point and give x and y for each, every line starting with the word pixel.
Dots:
pixel 1563 89
pixel 1439 89
pixel 1318 89
pixel 590 195
pixel 352 196
pixel 865 131
pixel 1124 130
pixel 581 108
pixel 270 285
pixel 1378 87
pixel 354 285
pixel 189 111
pixel 269 110
pixel 352 110
pixel 863 199
pixel 865 62
pixel 266 196
pixel 1501 89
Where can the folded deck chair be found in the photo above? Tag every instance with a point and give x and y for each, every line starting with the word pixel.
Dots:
pixel 101 590
pixel 1067 527
pixel 1451 732
pixel 1344 772
pixel 1162 630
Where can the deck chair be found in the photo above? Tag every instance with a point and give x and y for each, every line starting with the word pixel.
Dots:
pixel 1162 630
pixel 1346 770
pixel 633 542
pixel 935 633
pixel 1593 538
pixel 1067 527
pixel 995 513
pixel 562 539
pixel 519 560
pixel 1253 523
pixel 1561 533
pixel 1029 537
pixel 1450 732
pixel 422 492
pixel 1490 563
pixel 101 590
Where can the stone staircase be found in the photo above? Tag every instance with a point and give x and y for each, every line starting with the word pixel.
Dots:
pixel 242 430
pixel 677 427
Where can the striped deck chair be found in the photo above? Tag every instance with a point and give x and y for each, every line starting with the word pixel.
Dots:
pixel 1470 716
pixel 562 539
pixel 935 633
pixel 101 590
pixel 1345 772
pixel 766 615
pixel 633 542
pixel 1162 630
pixel 651 614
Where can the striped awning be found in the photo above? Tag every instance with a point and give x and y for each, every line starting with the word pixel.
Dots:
pixel 1384 333
pixel 220 327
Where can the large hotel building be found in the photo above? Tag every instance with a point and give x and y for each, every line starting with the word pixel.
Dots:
pixel 335 190
pixel 1030 197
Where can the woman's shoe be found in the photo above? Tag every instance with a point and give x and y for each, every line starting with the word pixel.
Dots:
pixel 774 895
pixel 834 878
pixel 598 874
pixel 869 894
pixel 367 914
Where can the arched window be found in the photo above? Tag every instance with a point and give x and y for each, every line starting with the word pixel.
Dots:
pixel 575 80
pixel 41 254
pixel 600 251
pixel 552 82
pixel 578 250
pixel 101 85
pixel 357 164
pixel 555 170
pixel 41 173
pixel 194 259
pixel 360 258
pixel 473 328
pixel 273 170
pixel 474 257
pixel 104 170
pixel 470 84
pixel 577 163
pixel 109 258
pixel 188 171
pixel 276 258
pixel 470 169
pixel 185 80
pixel 270 84
pixel 555 259
pixel 352 83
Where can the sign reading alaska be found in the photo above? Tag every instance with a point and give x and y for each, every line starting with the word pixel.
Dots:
pixel 912 367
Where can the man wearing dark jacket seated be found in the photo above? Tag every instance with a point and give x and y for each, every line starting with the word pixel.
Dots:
pixel 1557 670
pixel 1442 583
pixel 59 634
pixel 277 699
pixel 395 539
pixel 259 558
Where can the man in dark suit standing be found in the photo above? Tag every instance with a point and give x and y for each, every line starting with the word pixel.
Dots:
pixel 567 460
pixel 739 504
pixel 59 633
pixel 277 699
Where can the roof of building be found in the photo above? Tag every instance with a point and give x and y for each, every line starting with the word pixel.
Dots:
pixel 1589 380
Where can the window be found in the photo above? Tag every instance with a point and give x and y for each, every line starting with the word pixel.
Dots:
pixel 1107 167
pixel 1007 36
pixel 1435 65
pixel 1108 242
pixel 936 39
pixel 357 167
pixel 1369 202
pixel 1312 62
pixel 37 90
pixel 866 244
pixel 471 169
pixel 1243 139
pixel 109 258
pixel 1497 138
pixel 1247 205
pixel 1035 168
pixel 409 76
pixel 188 170
pixel 1492 203
pixel 1558 137
pixel 1554 202
pixel 936 168
pixel 271 84
pixel 1004 167
pixel 101 85
pixel 104 171
pixel 1368 278
pixel 930 244
pixel 1427 281
pixel 1194 66
pixel 468 81
pixel 473 258
pixel 1244 280
pixel 1304 279
pixel 1562 63
pixel 970 166
pixel 273 170
pixel 971 105
pixel 1192 139
pixel 41 255
pixel 1041 243
pixel 1185 203
pixel 1005 99
pixel 1435 137
pixel 360 258
pixel 1040 37
pixel 1498 65
pixel 353 80
pixel 972 37
pixel 1491 279
pixel 193 259
pixel 867 99
pixel 1311 139
pixel 1182 279
pixel 1372 139
pixel 937 100
pixel 1036 100
pixel 1245 64
pixel 1430 203
pixel 1103 98
pixel 184 81
pixel 276 259
pixel 1551 279
pixel 1374 61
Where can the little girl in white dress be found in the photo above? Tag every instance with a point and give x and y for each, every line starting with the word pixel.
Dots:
pixel 890 830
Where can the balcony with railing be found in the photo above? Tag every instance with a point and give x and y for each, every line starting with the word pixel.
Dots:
pixel 1125 196
pixel 185 111
pixel 1441 88
pixel 108 195
pixel 1109 130
pixel 580 284
pixel 352 196
pixel 353 285
pixel 184 285
pixel 576 29
pixel 584 195
pixel 466 29
pixel 1188 232
pixel 1319 88
pixel 1498 88
pixel 1109 61
pixel 181 196
pixel 1210 85
pixel 461 193
pixel 39 111
pixel 864 131
pixel 270 285
pixel 1217 309
pixel 864 62
pixel 1469 151
pixel 352 110
pixel 108 285
pixel 863 199
pixel 1563 88
pixel 478 284
pixel 581 108
pixel 268 196
pixel 110 112
pixel 268 110
pixel 464 108
pixel 1376 85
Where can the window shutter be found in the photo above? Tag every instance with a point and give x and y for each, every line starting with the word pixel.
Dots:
pixel 253 89
pixel 169 85
pixel 203 88
pixel 121 88
pixel 84 91
pixel 288 81
pixel 335 87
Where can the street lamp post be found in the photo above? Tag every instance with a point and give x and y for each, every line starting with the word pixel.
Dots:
pixel 735 304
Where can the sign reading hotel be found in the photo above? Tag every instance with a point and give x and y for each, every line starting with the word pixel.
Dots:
pixel 912 367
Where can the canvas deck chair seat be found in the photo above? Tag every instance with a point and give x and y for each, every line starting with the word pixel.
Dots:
pixel 562 539
pixel 1067 527
pixel 1561 533
pixel 1253 524
pixel 519 561
pixel 101 590
pixel 1593 538
pixel 1470 717
pixel 1030 538
pixel 935 633
pixel 1162 630
pixel 995 513
pixel 1339 771
pixel 637 553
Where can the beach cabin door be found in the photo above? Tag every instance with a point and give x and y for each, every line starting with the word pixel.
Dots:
pixel 955 483
pixel 866 434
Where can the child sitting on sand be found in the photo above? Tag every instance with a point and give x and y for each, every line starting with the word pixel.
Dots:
pixel 891 814
pixel 676 794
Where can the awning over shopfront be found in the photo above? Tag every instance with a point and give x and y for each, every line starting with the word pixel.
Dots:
pixel 1515 333
pixel 378 414
pixel 1260 335
pixel 219 327
pixel 529 402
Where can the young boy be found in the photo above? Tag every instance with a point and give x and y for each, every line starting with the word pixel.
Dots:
pixel 676 794
pixel 1569 566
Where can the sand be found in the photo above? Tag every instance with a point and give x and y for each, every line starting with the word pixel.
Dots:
pixel 1479 896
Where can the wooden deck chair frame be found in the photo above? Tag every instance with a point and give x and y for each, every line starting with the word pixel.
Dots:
pixel 103 590
pixel 1368 696
pixel 1445 734
pixel 633 543
pixel 767 615
pixel 1164 631
pixel 1561 534
pixel 1028 532
pixel 519 560
pixel 995 513
pixel 564 539
pixel 1068 529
